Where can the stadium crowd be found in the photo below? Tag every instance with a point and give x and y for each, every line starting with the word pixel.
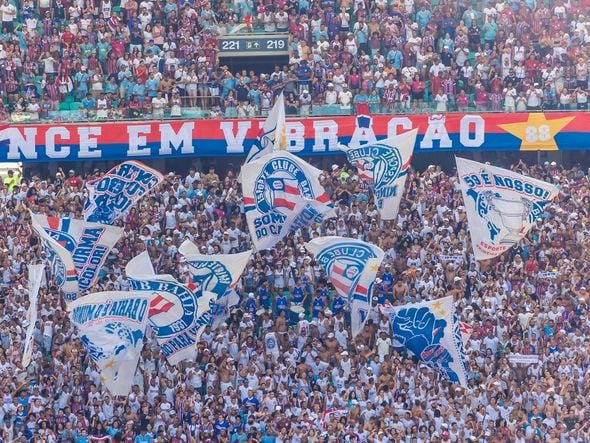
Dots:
pixel 112 59
pixel 319 385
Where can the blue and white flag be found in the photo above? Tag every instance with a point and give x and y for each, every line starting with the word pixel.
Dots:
pixel 221 309
pixel 501 205
pixel 177 312
pixel 351 266
pixel 112 327
pixel 62 268
pixel 384 166
pixel 111 196
pixel 430 330
pixel 273 134
pixel 219 274
pixel 282 193
pixel 36 274
pixel 88 243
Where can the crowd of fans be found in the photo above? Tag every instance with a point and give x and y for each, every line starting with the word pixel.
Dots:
pixel 112 59
pixel 320 385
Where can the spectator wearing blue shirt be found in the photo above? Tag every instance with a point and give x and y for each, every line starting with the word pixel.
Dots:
pixel 251 304
pixel 264 296
pixel 304 76
pixel 144 437
pixel 251 401
pixel 81 80
pixel 423 17
pixel 239 435
pixel 88 103
pixel 282 304
pixel 298 296
pixel 318 304
pixel 338 304
pixel 83 437
pixel 387 277
pixel 221 424
pixel 395 58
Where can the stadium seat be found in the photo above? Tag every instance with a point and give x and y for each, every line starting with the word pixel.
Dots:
pixel 75 106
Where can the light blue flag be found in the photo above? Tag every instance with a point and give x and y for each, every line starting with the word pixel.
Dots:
pixel 112 327
pixel 431 332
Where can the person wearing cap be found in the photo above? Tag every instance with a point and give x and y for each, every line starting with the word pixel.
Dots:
pixel 534 97
pixel 345 97
pixel 305 101
pixel 73 181
pixel 330 96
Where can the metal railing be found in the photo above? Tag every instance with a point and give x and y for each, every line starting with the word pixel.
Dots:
pixel 189 112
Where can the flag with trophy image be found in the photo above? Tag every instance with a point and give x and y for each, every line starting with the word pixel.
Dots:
pixel 501 205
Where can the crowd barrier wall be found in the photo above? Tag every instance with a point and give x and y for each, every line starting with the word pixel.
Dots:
pixel 118 140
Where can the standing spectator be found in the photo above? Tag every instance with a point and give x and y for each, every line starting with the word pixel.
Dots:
pixel 510 95
pixel 345 98
pixel 441 101
pixel 534 96
pixel 581 98
pixel 9 13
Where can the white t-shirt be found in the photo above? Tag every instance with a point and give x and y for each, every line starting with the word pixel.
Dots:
pixel 8 13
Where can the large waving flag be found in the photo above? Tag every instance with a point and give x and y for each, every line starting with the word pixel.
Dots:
pixel 384 166
pixel 273 134
pixel 177 313
pixel 216 273
pixel 431 331
pixel 63 270
pixel 111 196
pixel 281 193
pixel 112 327
pixel 501 205
pixel 36 275
pixel 221 309
pixel 351 265
pixel 88 243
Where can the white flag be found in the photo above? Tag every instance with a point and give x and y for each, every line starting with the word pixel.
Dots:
pixel 351 266
pixel 36 275
pixel 219 274
pixel 112 327
pixel 176 312
pixel 60 261
pixel 345 260
pixel 282 193
pixel 112 196
pixel 431 331
pixel 501 205
pixel 216 273
pixel 89 244
pixel 360 305
pixel 384 165
pixel 273 134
